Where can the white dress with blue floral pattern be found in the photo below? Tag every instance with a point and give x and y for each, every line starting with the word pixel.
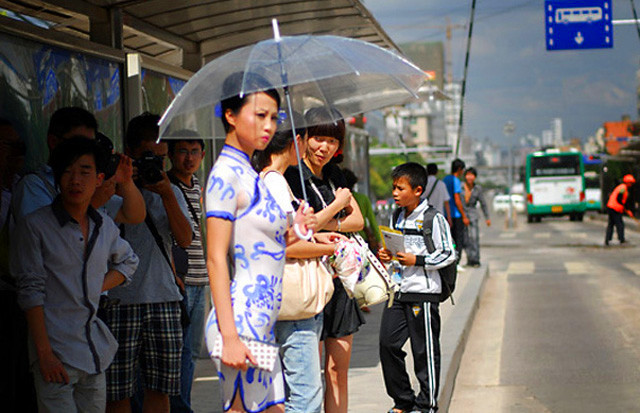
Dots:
pixel 236 193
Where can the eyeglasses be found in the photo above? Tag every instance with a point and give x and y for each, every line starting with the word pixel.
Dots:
pixel 192 152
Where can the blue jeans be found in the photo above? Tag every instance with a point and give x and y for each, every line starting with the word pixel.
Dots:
pixel 192 337
pixel 196 296
pixel 298 342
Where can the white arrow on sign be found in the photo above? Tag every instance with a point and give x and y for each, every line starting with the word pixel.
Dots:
pixel 579 39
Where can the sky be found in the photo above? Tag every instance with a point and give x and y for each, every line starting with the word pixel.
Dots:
pixel 511 74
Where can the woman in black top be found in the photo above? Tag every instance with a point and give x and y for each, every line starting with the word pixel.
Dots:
pixel 336 210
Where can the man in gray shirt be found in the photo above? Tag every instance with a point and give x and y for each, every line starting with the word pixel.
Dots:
pixel 146 322
pixel 63 256
pixel 436 192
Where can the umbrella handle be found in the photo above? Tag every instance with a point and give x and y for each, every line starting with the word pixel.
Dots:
pixel 305 237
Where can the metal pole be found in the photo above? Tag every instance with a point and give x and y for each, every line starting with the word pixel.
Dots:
pixel 464 80
pixel 508 130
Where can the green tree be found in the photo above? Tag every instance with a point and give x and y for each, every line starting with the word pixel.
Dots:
pixel 380 167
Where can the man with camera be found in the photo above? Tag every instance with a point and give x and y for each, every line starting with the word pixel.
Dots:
pixel 38 189
pixel 147 320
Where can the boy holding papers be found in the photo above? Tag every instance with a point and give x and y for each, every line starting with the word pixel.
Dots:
pixel 414 314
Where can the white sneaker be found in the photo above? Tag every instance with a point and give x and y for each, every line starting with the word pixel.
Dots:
pixel 460 268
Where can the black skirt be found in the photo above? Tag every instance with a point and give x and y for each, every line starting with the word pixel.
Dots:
pixel 342 316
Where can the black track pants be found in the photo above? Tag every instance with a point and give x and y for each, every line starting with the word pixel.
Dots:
pixel 419 322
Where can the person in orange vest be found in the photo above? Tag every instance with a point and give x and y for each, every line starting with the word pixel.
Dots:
pixel 616 207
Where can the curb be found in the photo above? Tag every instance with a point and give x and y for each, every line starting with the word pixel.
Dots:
pixel 454 342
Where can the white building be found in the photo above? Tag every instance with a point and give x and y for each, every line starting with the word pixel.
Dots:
pixel 556 127
pixel 452 112
pixel 547 137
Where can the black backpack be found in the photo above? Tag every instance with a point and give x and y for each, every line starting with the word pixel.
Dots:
pixel 448 274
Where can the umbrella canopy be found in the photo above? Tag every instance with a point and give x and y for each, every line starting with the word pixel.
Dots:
pixel 346 75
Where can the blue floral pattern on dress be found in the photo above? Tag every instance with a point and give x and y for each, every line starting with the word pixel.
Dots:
pixel 235 191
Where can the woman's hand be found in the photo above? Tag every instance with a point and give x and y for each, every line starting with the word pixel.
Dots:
pixel 329 237
pixel 343 197
pixel 235 354
pixel 384 255
pixel 305 220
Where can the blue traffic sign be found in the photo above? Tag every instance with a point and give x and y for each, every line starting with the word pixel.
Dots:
pixel 578 24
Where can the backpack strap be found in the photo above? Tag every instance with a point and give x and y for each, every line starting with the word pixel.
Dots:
pixel 427 227
pixel 395 216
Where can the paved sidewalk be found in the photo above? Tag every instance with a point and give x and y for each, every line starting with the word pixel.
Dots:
pixel 366 388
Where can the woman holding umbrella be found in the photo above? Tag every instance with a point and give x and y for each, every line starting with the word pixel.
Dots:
pixel 336 210
pixel 245 222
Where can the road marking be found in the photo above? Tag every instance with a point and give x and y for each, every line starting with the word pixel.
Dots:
pixel 634 267
pixel 542 235
pixel 577 235
pixel 521 267
pixel 508 235
pixel 579 267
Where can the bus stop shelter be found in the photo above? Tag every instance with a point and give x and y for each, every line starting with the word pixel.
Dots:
pixel 118 58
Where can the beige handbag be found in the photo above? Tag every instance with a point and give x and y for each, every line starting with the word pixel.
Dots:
pixel 307 286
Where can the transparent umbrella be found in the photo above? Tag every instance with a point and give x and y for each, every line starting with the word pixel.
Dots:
pixel 344 75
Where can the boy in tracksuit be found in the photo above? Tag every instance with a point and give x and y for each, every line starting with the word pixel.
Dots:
pixel 414 313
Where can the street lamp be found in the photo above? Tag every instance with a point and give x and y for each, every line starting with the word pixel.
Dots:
pixel 508 130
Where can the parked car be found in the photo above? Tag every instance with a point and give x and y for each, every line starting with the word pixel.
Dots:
pixel 501 203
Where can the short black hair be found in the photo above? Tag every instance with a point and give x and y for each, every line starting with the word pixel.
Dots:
pixel 414 172
pixel 321 122
pixel 69 150
pixel 471 170
pixel 457 165
pixel 140 129
pixel 184 135
pixel 67 118
pixel 247 80
pixel 432 169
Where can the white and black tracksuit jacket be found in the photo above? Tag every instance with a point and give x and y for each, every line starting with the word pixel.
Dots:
pixel 415 315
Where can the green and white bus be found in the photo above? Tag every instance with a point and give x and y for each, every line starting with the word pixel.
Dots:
pixel 555 185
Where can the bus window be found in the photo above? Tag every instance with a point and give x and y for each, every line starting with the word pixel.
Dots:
pixel 555 166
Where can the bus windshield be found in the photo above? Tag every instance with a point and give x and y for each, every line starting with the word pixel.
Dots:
pixel 557 165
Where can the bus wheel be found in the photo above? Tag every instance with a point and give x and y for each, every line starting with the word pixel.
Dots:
pixel 572 217
pixel 529 219
pixel 579 217
pixel 537 219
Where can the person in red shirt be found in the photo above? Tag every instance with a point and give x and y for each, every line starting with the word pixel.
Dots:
pixel 616 207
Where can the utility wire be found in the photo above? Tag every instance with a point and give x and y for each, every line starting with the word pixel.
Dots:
pixel 635 17
pixel 464 78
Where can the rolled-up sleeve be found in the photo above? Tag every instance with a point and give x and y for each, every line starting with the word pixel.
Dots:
pixel 122 258
pixel 27 265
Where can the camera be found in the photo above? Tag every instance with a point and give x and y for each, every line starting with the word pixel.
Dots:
pixel 112 160
pixel 150 168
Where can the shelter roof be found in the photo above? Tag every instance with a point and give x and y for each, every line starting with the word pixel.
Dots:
pixel 166 29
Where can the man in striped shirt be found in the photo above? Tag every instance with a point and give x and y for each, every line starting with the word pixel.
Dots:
pixel 186 155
